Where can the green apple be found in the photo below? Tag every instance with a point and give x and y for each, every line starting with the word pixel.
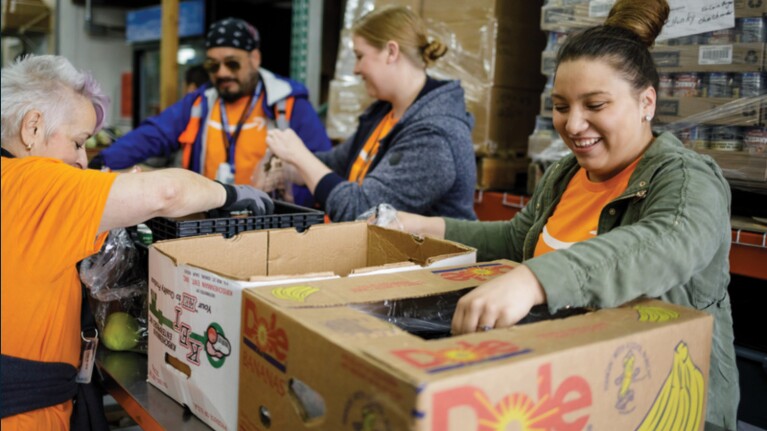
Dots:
pixel 91 142
pixel 121 331
pixel 102 137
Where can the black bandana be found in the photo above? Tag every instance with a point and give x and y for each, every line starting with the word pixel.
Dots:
pixel 232 32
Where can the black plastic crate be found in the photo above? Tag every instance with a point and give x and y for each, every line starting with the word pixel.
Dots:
pixel 285 215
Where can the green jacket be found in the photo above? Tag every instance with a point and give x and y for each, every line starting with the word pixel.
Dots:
pixel 668 236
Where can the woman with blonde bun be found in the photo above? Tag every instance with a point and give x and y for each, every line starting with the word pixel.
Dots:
pixel 412 148
pixel 628 214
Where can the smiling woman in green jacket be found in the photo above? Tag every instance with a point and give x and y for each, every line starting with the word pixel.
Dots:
pixel 627 215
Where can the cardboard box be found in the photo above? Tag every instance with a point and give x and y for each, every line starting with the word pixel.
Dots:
pixel 457 10
pixel 711 110
pixel 500 174
pixel 490 51
pixel 195 288
pixel 734 57
pixel 347 99
pixel 357 9
pixel 321 364
pixel 504 118
pixel 750 8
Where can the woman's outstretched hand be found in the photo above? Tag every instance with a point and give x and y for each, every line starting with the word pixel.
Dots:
pixel 499 303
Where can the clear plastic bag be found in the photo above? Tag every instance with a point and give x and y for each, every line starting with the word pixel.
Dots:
pixel 383 215
pixel 116 278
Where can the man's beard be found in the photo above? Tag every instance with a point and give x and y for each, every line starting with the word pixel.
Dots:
pixel 245 90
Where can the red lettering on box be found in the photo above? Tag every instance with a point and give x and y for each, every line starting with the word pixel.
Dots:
pixel 572 395
pixel 262 335
pixel 461 354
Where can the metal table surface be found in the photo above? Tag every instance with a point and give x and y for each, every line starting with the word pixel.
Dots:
pixel 125 378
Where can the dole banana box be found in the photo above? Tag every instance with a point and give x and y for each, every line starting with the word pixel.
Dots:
pixel 195 294
pixel 331 355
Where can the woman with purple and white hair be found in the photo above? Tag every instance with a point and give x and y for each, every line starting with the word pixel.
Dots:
pixel 54 214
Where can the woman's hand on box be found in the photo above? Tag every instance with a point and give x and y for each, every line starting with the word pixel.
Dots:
pixel 499 303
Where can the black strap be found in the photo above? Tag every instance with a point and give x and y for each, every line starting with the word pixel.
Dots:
pixel 31 385
pixel 87 322
pixel 6 153
pixel 88 409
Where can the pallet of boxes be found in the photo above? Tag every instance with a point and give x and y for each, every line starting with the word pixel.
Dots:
pixel 711 92
pixel 494 48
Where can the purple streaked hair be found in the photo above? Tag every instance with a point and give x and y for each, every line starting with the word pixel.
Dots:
pixel 46 83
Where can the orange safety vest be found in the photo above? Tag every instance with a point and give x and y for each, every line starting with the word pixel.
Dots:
pixel 283 110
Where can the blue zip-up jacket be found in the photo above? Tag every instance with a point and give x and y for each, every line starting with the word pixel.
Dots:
pixel 425 164
pixel 158 136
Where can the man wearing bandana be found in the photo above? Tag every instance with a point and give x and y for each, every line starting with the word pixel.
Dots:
pixel 221 128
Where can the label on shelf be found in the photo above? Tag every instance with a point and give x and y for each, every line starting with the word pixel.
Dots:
pixel 715 54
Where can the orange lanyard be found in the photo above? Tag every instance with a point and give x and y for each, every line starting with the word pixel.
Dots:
pixel 369 151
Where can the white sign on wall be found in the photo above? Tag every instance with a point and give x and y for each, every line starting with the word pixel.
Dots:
pixel 690 17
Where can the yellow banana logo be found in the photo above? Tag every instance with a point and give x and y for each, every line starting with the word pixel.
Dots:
pixel 625 393
pixel 679 404
pixel 294 293
pixel 655 314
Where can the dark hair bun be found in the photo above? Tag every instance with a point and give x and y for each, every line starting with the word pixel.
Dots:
pixel 644 18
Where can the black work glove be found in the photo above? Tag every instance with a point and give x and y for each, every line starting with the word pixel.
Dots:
pixel 241 197
pixel 97 162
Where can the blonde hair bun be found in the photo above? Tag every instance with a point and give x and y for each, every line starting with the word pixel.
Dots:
pixel 433 51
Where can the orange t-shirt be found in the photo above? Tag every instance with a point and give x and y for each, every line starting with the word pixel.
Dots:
pixel 370 149
pixel 577 215
pixel 251 143
pixel 50 217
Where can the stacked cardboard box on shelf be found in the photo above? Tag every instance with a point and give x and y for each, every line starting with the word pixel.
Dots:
pixel 712 85
pixel 494 48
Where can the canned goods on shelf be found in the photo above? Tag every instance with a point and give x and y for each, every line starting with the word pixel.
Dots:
pixel 694 137
pixel 666 84
pixel 685 40
pixel 730 145
pixel 724 133
pixel 720 85
pixel 750 30
pixel 755 140
pixel 718 37
pixel 752 84
pixel 687 85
